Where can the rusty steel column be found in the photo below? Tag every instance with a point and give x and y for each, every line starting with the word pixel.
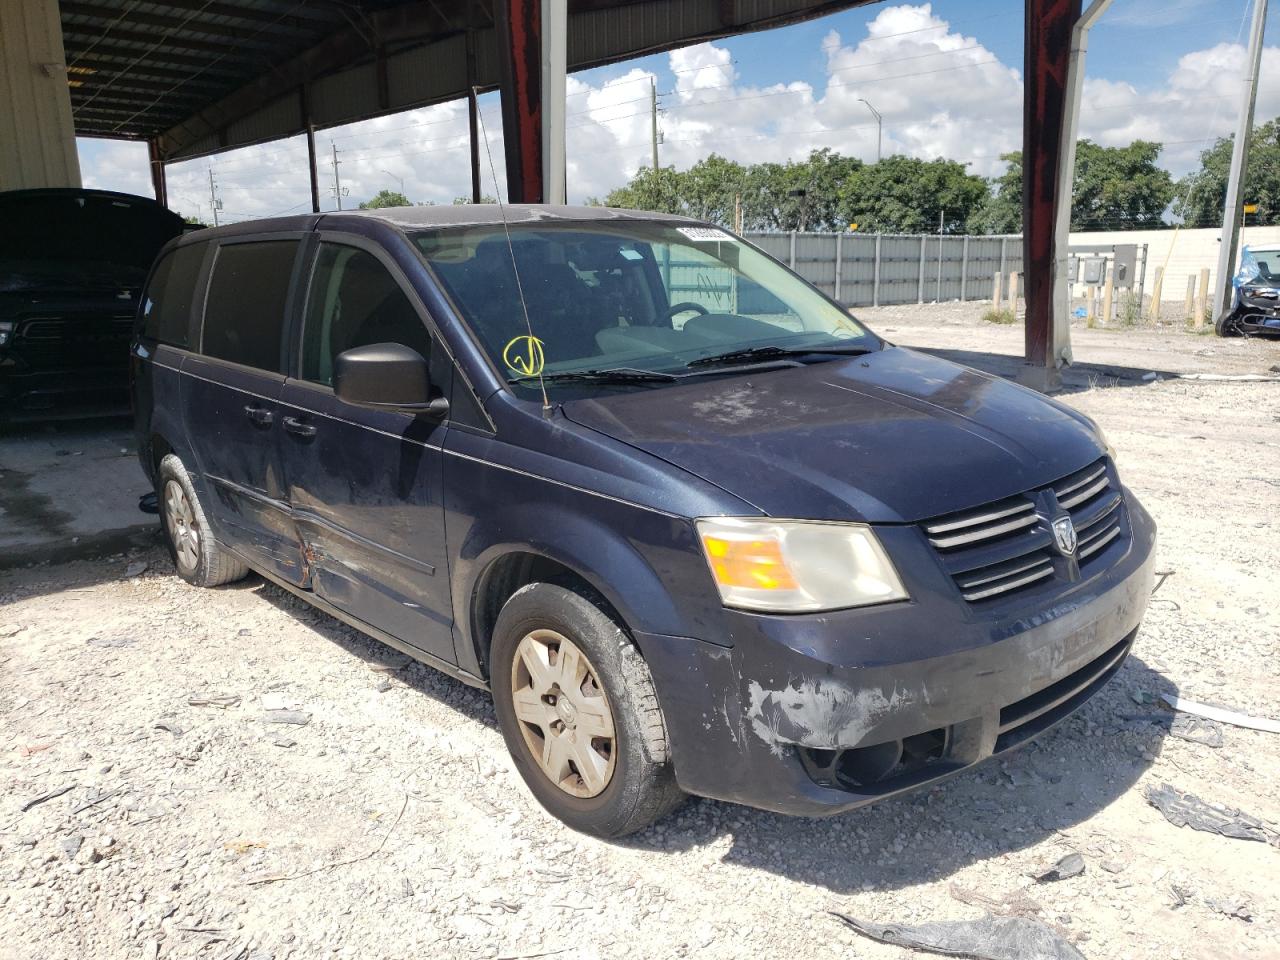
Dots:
pixel 158 182
pixel 1047 54
pixel 304 107
pixel 519 24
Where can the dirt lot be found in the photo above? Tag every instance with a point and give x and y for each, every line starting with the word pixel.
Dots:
pixel 392 825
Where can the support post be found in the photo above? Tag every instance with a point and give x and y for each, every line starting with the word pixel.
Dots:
pixel 1060 333
pixel 920 282
pixel 1108 294
pixel 1232 209
pixel 875 277
pixel 1050 25
pixel 997 292
pixel 304 101
pixel 1013 293
pixel 839 264
pixel 1190 305
pixel 964 269
pixel 1157 290
pixel 791 256
pixel 555 53
pixel 1202 301
pixel 519 29
pixel 473 116
pixel 158 182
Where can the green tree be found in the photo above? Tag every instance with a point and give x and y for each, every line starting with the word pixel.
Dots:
pixel 908 195
pixel 647 191
pixel 484 198
pixel 1001 211
pixel 710 188
pixel 1115 188
pixel 1119 188
pixel 386 198
pixel 1202 194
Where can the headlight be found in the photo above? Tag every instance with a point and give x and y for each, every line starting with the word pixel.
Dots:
pixel 6 331
pixel 797 566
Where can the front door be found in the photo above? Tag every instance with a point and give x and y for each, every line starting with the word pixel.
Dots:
pixel 229 396
pixel 364 485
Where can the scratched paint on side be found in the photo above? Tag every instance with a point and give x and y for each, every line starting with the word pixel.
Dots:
pixel 821 714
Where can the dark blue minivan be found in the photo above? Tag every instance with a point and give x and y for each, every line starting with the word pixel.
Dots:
pixel 695 527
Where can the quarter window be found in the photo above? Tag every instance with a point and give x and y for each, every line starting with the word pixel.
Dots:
pixel 244 312
pixel 354 301
pixel 166 310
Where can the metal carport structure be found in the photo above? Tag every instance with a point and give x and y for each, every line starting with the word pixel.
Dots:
pixel 197 77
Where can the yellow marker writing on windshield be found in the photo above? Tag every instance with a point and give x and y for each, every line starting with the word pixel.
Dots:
pixel 524 355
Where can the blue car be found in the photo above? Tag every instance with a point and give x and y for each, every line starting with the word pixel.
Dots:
pixel 1255 308
pixel 697 529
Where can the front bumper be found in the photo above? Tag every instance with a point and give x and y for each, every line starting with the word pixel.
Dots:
pixel 815 715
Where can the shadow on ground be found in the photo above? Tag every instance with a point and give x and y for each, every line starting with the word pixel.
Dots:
pixel 1075 379
pixel 1064 778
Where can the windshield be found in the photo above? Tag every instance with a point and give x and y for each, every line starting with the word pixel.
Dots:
pixel 1259 265
pixel 629 296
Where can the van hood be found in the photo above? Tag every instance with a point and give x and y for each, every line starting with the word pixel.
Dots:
pixel 894 436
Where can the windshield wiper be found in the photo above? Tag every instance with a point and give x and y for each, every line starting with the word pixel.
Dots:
pixel 772 353
pixel 614 375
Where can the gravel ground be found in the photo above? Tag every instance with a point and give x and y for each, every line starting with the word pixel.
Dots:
pixel 391 824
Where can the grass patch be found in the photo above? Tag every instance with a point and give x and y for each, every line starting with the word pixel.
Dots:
pixel 1005 317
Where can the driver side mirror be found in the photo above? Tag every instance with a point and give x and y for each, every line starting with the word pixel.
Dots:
pixel 389 376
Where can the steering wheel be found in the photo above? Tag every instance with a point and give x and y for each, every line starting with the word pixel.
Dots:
pixel 677 308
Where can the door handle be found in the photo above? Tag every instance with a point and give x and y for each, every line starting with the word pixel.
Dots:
pixel 260 416
pixel 298 428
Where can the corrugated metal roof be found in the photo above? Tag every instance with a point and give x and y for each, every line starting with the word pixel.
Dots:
pixel 205 75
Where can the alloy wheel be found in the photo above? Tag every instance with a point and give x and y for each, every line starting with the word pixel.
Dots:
pixel 564 714
pixel 180 520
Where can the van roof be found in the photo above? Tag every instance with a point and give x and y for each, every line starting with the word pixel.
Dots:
pixel 484 214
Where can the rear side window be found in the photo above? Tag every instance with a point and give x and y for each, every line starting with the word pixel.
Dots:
pixel 354 302
pixel 166 309
pixel 244 311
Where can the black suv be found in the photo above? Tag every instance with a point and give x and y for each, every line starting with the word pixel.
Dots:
pixel 72 265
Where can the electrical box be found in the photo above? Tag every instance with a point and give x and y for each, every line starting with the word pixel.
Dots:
pixel 1073 269
pixel 1095 270
pixel 1124 265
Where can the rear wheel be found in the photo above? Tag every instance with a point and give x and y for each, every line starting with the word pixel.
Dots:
pixel 198 558
pixel 577 708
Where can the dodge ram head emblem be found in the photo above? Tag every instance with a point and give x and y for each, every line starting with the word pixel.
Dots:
pixel 1064 535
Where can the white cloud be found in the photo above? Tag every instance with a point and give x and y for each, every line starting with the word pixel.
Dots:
pixel 1198 103
pixel 941 93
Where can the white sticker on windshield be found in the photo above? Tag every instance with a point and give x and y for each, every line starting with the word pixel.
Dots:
pixel 704 233
pixel 629 254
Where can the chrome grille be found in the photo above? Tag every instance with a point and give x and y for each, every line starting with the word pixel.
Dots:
pixel 1008 545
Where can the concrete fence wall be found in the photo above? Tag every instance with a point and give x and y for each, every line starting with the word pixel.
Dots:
pixel 862 270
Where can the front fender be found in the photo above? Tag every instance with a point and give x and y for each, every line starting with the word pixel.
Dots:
pixel 602 546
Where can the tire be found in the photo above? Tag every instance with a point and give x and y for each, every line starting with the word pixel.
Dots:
pixel 196 555
pixel 1229 325
pixel 631 783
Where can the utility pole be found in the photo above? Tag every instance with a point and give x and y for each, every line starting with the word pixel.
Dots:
pixel 653 122
pixel 1239 164
pixel 213 197
pixel 337 184
pixel 879 126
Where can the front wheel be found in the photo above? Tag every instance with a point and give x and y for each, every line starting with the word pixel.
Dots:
pixel 578 711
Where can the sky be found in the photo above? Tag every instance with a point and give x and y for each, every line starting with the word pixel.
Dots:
pixel 946 77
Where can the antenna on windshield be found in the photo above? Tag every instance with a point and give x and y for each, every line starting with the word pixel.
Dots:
pixel 535 345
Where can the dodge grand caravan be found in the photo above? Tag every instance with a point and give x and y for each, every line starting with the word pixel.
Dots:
pixel 695 527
